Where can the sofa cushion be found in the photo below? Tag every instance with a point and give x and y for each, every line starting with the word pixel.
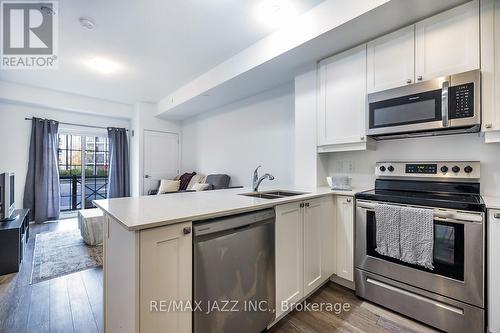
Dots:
pixel 167 185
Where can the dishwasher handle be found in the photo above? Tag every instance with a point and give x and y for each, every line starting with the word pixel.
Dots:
pixel 202 228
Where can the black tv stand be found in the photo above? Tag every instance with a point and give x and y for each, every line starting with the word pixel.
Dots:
pixel 9 219
pixel 14 236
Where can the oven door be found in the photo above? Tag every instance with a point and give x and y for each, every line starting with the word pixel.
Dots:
pixel 458 254
pixel 409 113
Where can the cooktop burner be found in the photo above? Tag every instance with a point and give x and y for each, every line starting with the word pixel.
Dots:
pixel 453 195
pixel 470 202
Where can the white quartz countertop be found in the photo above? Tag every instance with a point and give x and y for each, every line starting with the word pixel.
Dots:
pixel 137 213
pixel 491 202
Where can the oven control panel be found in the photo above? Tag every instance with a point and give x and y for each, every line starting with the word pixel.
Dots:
pixel 441 169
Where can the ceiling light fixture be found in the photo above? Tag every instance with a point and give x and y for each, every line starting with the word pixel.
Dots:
pixel 103 65
pixel 87 22
pixel 276 13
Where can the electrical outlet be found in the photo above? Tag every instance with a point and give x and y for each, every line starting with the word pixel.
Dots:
pixel 351 166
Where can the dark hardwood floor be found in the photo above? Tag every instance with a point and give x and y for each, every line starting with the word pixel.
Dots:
pixel 73 303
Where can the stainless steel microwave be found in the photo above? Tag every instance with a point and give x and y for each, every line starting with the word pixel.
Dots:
pixel 446 105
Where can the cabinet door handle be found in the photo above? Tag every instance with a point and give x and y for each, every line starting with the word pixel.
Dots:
pixel 349 199
pixel 496 215
pixel 408 81
pixel 488 125
pixel 186 230
pixel 307 204
pixel 419 78
pixel 362 138
pixel 301 205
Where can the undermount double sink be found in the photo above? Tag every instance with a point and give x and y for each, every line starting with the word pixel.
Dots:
pixel 272 194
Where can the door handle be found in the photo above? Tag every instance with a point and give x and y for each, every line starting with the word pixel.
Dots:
pixel 444 103
pixel 186 230
pixel 146 176
pixel 496 215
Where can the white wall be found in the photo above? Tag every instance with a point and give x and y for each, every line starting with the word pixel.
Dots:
pixel 238 137
pixel 456 147
pixel 144 119
pixel 15 135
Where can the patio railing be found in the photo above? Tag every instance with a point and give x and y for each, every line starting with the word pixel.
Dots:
pixel 71 191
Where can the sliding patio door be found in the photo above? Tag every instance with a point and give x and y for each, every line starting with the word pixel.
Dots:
pixel 83 170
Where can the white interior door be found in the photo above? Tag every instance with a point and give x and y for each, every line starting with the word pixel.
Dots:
pixel 161 157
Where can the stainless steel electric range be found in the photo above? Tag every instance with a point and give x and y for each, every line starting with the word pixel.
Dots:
pixel 451 296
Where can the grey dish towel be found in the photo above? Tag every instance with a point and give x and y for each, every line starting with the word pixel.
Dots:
pixel 417 236
pixel 388 223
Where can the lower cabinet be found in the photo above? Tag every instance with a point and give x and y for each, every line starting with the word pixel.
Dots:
pixel 165 274
pixel 344 238
pixel 289 229
pixel 146 270
pixel 304 249
pixel 493 256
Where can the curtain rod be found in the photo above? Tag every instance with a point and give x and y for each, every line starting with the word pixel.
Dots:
pixel 73 124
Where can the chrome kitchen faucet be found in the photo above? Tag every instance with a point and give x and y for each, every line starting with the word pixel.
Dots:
pixel 257 180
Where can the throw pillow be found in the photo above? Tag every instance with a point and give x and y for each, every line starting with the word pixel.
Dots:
pixel 167 185
pixel 198 178
pixel 185 179
pixel 201 186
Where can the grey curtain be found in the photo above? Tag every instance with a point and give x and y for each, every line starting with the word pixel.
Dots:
pixel 41 192
pixel 119 169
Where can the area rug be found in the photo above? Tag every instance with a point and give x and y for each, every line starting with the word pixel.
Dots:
pixel 62 252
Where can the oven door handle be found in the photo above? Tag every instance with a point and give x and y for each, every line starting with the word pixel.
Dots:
pixel 441 215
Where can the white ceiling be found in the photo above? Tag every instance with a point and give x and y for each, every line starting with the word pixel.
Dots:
pixel 162 44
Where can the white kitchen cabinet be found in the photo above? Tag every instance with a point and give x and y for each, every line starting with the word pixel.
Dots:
pixel 166 274
pixel 304 248
pixel 344 240
pixel 448 43
pixel 313 230
pixel 490 69
pixel 342 101
pixel 289 255
pixel 391 60
pixel 493 271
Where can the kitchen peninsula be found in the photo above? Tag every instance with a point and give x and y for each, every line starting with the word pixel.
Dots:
pixel 148 248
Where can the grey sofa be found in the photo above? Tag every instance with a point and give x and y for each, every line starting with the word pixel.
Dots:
pixel 216 181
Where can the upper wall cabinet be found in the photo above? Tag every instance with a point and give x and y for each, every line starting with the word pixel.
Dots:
pixel 390 60
pixel 490 69
pixel 448 43
pixel 444 44
pixel 342 101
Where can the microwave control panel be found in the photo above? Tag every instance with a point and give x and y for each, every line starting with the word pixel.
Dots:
pixel 461 103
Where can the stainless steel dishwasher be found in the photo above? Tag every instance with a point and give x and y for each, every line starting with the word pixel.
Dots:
pixel 234 273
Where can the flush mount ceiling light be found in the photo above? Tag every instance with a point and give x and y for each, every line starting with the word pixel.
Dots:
pixel 103 65
pixel 276 13
pixel 87 22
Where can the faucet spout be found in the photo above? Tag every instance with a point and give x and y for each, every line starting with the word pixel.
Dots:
pixel 257 180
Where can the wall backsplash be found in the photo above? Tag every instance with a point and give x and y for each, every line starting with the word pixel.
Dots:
pixel 360 165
